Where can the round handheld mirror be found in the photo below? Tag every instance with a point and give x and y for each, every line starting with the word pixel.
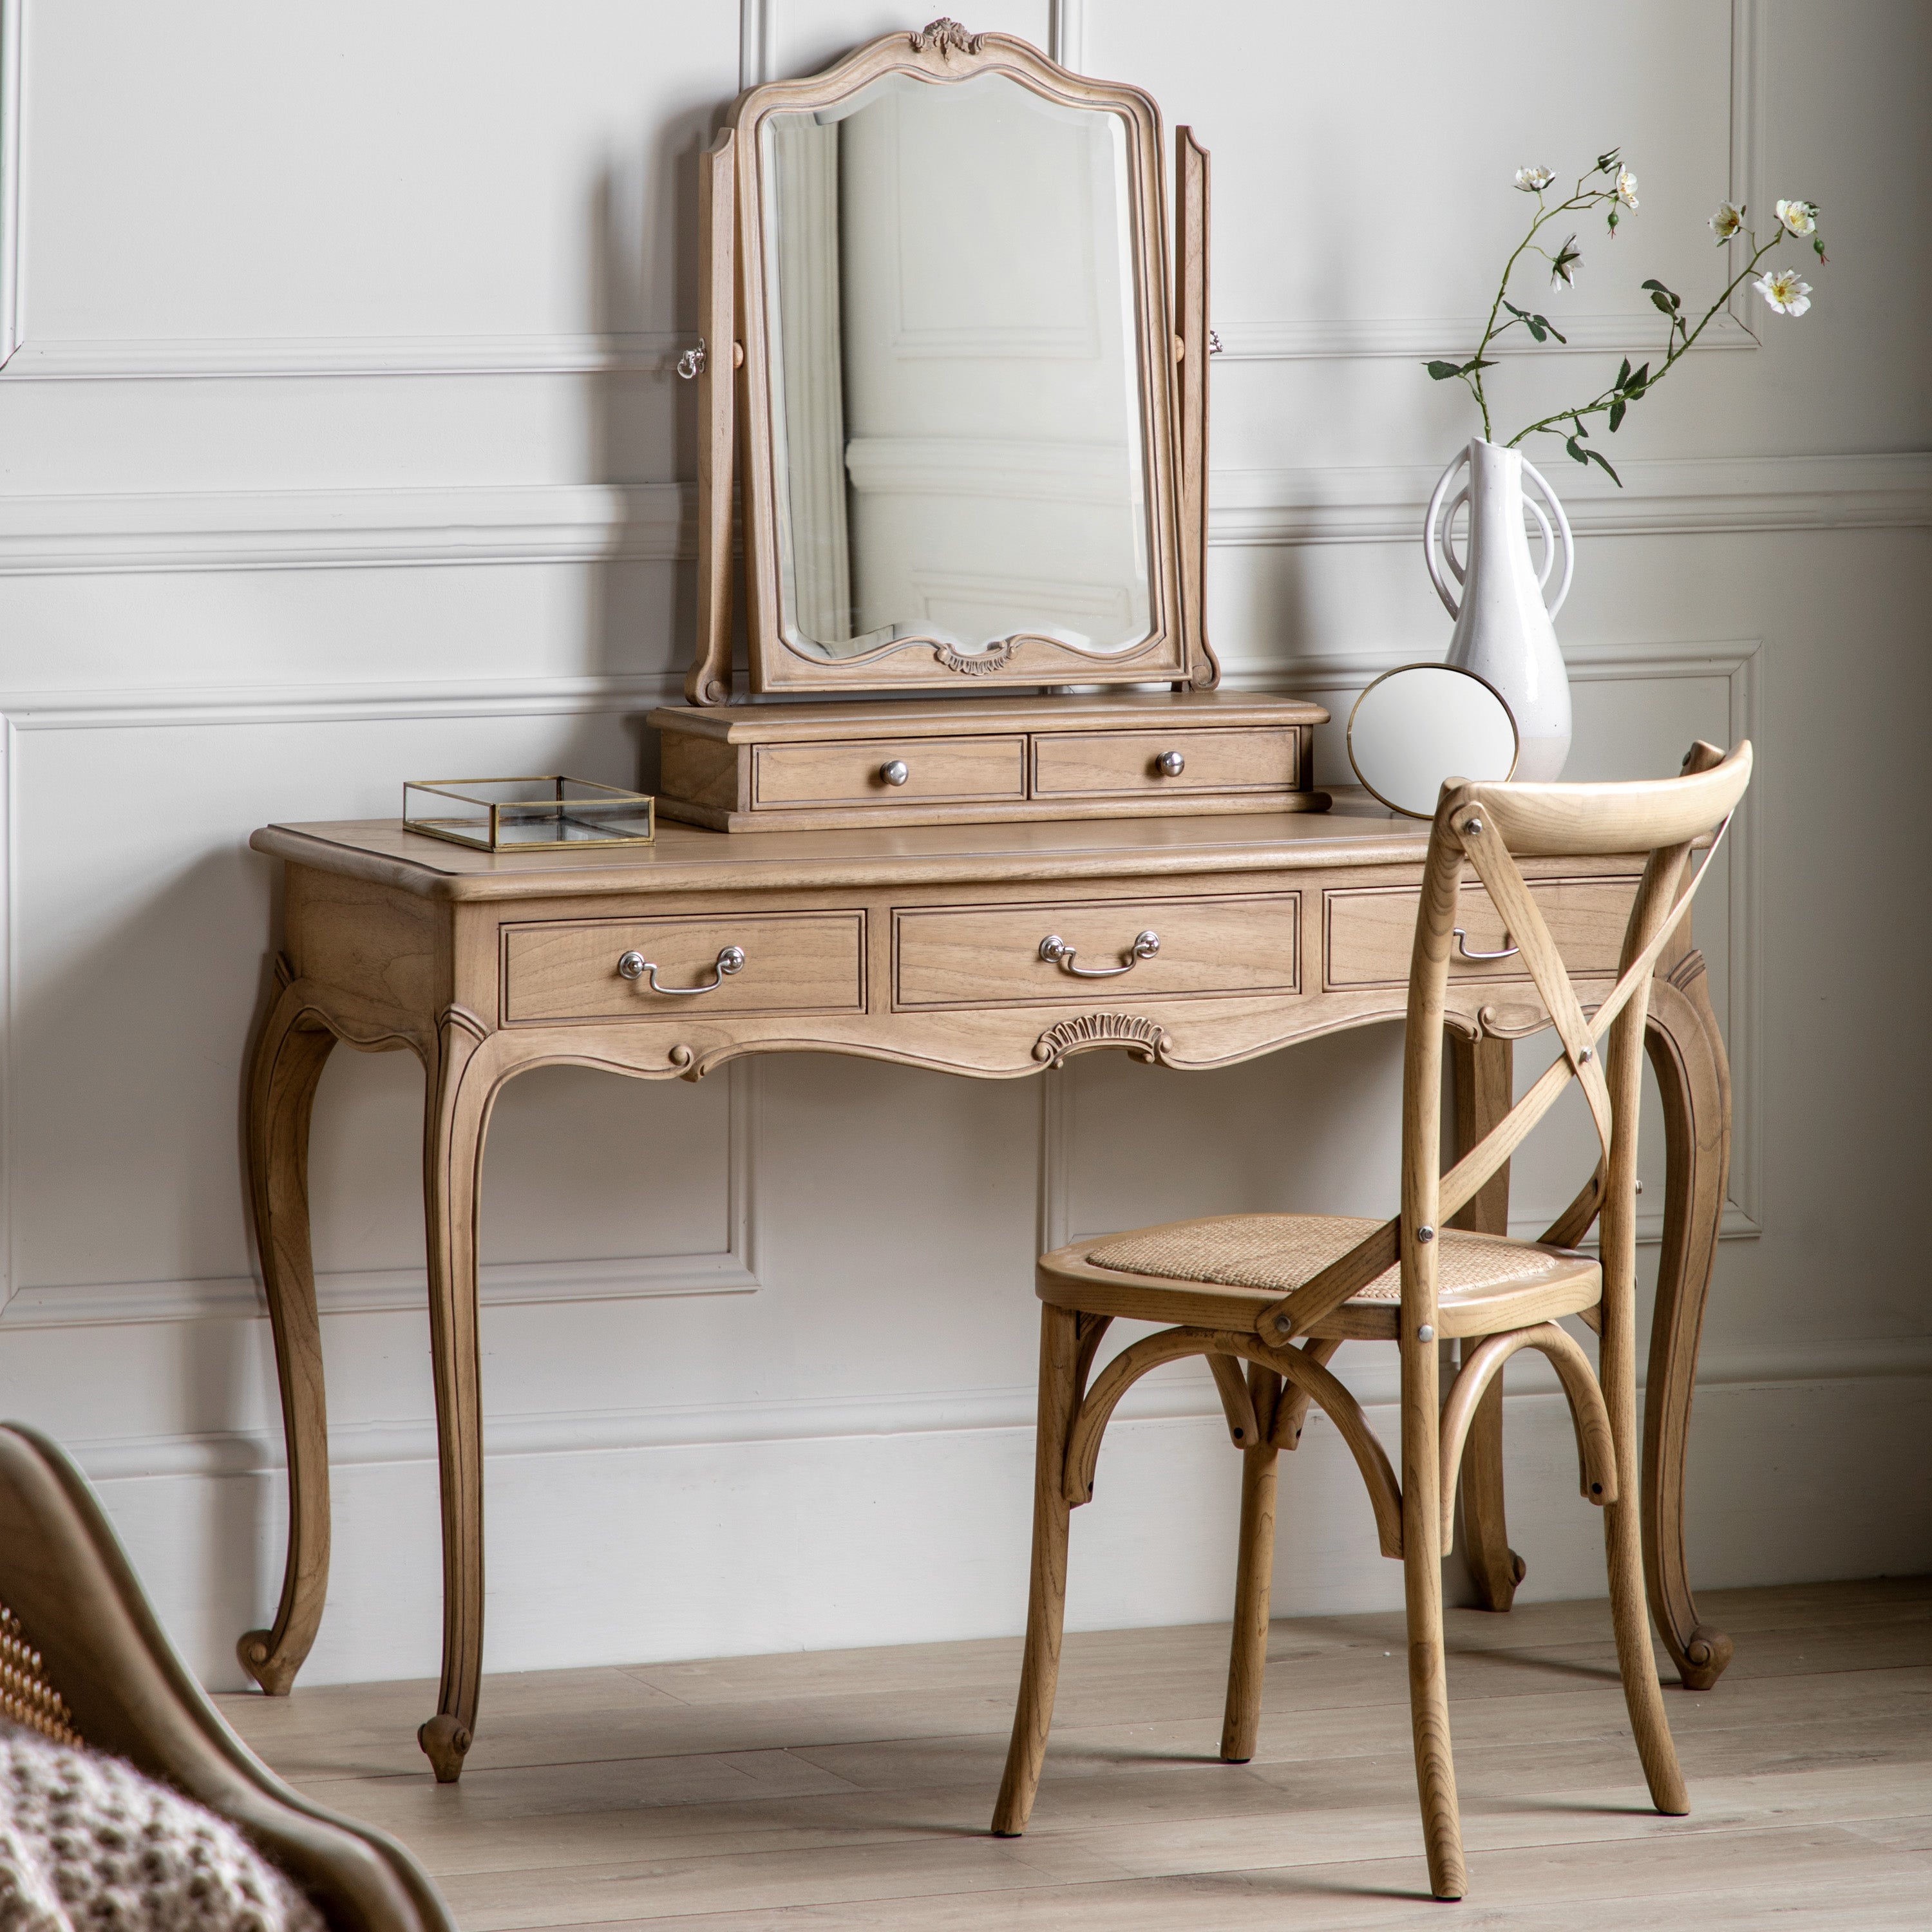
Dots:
pixel 1417 726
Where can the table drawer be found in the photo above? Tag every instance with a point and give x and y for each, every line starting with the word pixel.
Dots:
pixel 794 962
pixel 852 771
pixel 1070 764
pixel 1371 935
pixel 989 956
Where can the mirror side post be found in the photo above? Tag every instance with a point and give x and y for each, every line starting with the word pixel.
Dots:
pixel 709 679
pixel 1190 270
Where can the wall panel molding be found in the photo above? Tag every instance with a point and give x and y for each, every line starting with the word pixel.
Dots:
pixel 1337 677
pixel 335 529
pixel 1675 496
pixel 11 96
pixel 731 1271
pixel 946 1411
pixel 599 522
pixel 1415 338
pixel 216 359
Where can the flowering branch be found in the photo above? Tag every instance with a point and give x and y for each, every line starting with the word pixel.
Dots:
pixel 1611 186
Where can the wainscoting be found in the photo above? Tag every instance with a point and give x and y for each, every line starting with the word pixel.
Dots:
pixel 341 445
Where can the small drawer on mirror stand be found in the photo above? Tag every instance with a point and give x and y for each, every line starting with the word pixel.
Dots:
pixel 888 772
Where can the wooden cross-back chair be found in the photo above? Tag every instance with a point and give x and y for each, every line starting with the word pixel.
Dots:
pixel 1281 1293
pixel 82 1660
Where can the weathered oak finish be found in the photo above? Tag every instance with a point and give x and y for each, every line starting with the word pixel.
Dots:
pixel 966 760
pixel 1241 1288
pixel 1027 659
pixel 485 966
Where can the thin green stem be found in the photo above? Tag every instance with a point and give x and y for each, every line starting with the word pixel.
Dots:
pixel 1675 352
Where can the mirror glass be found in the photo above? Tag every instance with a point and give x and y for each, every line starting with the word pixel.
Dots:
pixel 1414 727
pixel 956 410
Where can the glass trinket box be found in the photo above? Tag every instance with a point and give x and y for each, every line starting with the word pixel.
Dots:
pixel 521 814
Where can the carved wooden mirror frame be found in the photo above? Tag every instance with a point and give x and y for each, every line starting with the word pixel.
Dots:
pixel 733 195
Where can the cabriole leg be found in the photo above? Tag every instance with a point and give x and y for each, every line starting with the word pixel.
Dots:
pixel 1687 1052
pixel 454 1120
pixel 290 1057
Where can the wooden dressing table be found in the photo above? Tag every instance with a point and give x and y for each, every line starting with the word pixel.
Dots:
pixel 924 945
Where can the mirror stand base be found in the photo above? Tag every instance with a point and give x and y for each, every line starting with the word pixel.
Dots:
pixel 950 760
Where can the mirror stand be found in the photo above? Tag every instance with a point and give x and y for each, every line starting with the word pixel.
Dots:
pixel 876 438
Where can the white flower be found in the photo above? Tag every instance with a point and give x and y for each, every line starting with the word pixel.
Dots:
pixel 1534 181
pixel 1626 187
pixel 1786 293
pixel 1564 266
pixel 1727 221
pixel 1800 217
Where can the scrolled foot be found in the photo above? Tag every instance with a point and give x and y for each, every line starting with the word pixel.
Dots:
pixel 256 1650
pixel 1705 1658
pixel 446 1743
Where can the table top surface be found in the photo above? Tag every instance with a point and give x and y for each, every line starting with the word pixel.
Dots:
pixel 685 858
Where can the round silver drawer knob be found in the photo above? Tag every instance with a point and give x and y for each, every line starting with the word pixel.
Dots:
pixel 895 773
pixel 1172 763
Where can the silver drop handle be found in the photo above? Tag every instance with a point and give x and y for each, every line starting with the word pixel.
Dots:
pixel 634 966
pixel 1056 952
pixel 1463 948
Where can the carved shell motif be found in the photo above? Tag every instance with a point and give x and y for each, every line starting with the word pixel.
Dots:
pixel 1144 1039
pixel 995 657
pixel 946 37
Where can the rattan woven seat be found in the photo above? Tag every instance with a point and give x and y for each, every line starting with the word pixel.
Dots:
pixel 1218 1271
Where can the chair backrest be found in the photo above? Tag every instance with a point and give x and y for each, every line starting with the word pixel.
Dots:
pixel 1489 827
pixel 81 1652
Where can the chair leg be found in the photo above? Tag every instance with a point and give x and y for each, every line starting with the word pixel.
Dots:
pixel 1422 1593
pixel 1623 1543
pixel 1254 1577
pixel 1046 1602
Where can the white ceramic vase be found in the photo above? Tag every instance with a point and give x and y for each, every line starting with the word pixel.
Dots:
pixel 1503 632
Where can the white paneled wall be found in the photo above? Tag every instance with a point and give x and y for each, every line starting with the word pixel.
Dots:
pixel 339 444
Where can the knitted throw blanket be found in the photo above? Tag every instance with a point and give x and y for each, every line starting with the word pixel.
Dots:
pixel 88 1844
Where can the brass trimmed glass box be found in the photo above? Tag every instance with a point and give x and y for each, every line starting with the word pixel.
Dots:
pixel 522 814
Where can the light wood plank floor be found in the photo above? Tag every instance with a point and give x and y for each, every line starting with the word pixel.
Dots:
pixel 852 1789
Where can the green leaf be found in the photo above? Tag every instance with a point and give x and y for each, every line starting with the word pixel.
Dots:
pixel 1654 284
pixel 1552 329
pixel 1594 457
pixel 1441 371
pixel 1663 302
pixel 1576 450
pixel 1635 386
pixel 1623 375
pixel 1537 330
pixel 1617 409
pixel 1474 363
pixel 1578 422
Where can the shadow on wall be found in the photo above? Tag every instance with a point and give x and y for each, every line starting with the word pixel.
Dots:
pixel 640 425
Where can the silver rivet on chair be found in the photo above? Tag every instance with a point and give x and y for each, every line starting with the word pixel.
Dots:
pixel 1474 825
pixel 1583 1056
pixel 1283 1324
pixel 1425 1334
pixel 1425 1234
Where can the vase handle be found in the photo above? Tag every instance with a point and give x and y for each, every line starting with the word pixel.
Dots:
pixel 1549 544
pixel 1436 525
